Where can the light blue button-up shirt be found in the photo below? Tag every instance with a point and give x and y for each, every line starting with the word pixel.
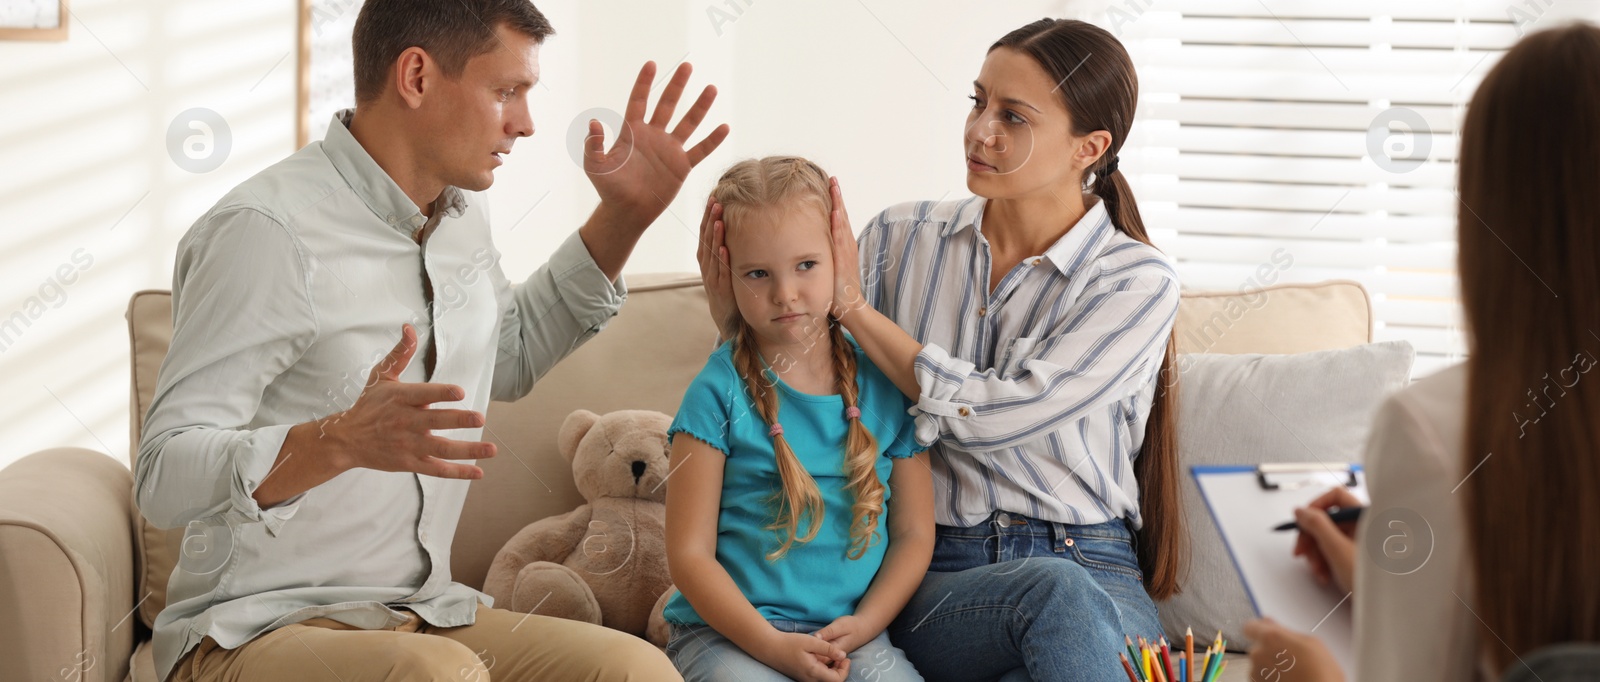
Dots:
pixel 284 296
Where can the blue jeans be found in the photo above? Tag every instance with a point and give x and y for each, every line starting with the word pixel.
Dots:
pixel 1017 598
pixel 701 654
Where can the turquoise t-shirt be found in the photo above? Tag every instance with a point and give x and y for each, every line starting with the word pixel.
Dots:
pixel 815 581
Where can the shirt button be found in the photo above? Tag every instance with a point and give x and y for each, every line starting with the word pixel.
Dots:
pixel 1036 261
pixel 983 311
pixel 964 411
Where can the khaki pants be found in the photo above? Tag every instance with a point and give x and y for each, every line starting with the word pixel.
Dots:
pixel 500 646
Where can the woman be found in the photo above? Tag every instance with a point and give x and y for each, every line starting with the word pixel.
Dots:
pixel 1032 326
pixel 1494 460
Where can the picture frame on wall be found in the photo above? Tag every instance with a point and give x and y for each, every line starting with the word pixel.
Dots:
pixel 33 19
pixel 325 82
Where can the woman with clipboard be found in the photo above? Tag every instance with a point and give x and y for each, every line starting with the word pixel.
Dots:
pixel 1477 549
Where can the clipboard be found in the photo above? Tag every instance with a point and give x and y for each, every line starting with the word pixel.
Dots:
pixel 1246 502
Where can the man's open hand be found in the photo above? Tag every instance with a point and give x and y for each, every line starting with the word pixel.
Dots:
pixel 389 428
pixel 647 166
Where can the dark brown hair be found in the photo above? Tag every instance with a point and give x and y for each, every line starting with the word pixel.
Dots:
pixel 769 182
pixel 450 31
pixel 1100 89
pixel 1530 286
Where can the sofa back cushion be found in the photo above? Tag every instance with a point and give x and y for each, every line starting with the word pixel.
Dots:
pixel 647 356
pixel 1281 319
pixel 149 334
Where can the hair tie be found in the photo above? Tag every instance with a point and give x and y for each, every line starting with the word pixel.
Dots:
pixel 775 431
pixel 1109 168
pixel 852 412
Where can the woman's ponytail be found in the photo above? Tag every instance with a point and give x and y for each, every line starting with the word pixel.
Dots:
pixel 1103 96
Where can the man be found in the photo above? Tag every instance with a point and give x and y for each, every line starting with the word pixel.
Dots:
pixel 321 479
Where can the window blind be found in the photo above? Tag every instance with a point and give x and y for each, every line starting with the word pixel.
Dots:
pixel 1316 139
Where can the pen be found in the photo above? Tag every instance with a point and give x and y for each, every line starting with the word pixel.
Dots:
pixel 1338 514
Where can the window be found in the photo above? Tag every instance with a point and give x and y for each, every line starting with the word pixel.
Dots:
pixel 1325 130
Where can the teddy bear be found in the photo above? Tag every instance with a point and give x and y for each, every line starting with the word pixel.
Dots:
pixel 606 561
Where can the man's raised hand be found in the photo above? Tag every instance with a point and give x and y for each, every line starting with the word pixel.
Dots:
pixel 647 165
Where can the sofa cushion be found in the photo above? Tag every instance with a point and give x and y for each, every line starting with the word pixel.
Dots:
pixel 1250 409
pixel 1284 318
pixel 149 334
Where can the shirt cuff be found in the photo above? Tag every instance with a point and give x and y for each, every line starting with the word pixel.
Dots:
pixel 591 297
pixel 939 376
pixel 253 457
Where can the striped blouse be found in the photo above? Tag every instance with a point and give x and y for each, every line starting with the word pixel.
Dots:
pixel 1034 396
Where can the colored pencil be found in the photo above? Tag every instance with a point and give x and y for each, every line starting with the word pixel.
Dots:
pixel 1153 659
pixel 1217 661
pixel 1213 666
pixel 1188 647
pixel 1127 668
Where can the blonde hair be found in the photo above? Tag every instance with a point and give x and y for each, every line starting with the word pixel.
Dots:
pixel 763 183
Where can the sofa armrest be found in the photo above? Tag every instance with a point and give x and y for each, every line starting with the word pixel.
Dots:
pixel 66 567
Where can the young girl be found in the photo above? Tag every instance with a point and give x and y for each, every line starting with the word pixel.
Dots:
pixel 781 452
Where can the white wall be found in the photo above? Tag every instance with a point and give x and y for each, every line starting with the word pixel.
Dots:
pixel 84 170
pixel 875 96
pixel 873 90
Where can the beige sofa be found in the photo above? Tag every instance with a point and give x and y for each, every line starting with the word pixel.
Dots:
pixel 81 577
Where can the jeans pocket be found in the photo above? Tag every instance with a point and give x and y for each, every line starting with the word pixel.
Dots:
pixel 1112 555
pixel 959 552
